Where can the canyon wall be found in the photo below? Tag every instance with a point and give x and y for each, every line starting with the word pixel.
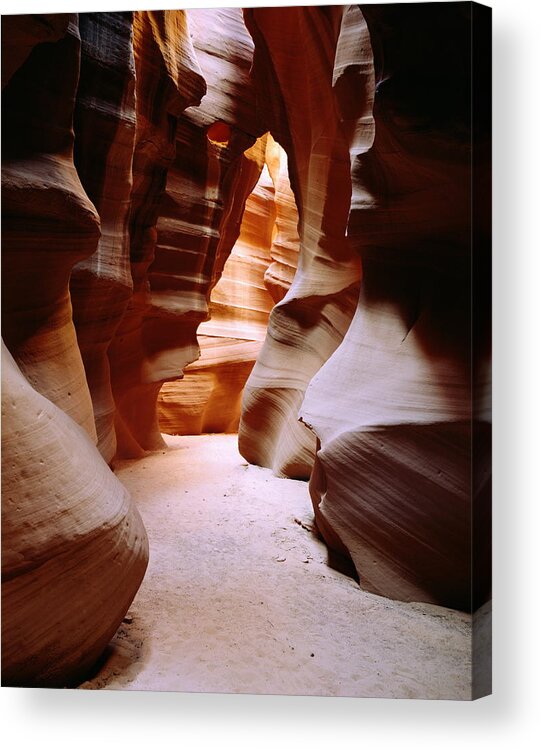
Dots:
pixel 257 274
pixel 181 255
pixel 108 263
pixel 104 126
pixel 74 549
pixel 342 296
pixel 49 224
pixel 380 158
pixel 300 107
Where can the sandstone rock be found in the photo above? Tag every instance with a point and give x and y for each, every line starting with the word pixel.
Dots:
pixel 181 260
pixel 301 108
pixel 20 34
pixel 74 549
pixel 392 407
pixel 381 174
pixel 48 223
pixel 285 241
pixel 168 79
pixel 208 398
pixel 101 285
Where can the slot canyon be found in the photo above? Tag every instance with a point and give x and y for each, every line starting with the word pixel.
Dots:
pixel 246 427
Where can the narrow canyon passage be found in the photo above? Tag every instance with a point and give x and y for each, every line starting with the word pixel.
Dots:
pixel 239 597
pixel 254 230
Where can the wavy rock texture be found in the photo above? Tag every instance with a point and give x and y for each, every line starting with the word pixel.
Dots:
pixel 200 212
pixel 208 398
pixel 74 549
pixel 168 79
pixel 392 407
pixel 285 240
pixel 312 110
pixel 131 144
pixel 101 285
pixel 49 224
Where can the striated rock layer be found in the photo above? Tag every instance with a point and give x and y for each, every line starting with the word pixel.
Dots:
pixel 101 284
pixel 48 222
pixel 131 144
pixel 179 251
pixel 389 398
pixel 168 79
pixel 258 271
pixel 285 241
pixel 305 107
pixel 74 549
pixel 392 408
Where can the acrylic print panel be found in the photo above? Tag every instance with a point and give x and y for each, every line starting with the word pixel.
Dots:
pixel 246 325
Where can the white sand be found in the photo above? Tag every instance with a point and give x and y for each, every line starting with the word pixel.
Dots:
pixel 238 597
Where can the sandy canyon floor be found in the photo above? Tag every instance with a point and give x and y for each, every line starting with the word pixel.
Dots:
pixel 239 596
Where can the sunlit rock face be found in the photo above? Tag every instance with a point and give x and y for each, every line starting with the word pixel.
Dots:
pixel 306 104
pixel 48 223
pixel 178 256
pixel 389 398
pixel 104 124
pixel 167 80
pixel 258 271
pixel 285 241
pixel 74 549
pixel 392 407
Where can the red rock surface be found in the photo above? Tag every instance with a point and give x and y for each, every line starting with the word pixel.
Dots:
pixel 168 79
pixel 74 549
pixel 392 408
pixel 197 223
pixel 389 398
pixel 301 108
pixel 104 124
pixel 49 223
pixel 260 267
pixel 132 143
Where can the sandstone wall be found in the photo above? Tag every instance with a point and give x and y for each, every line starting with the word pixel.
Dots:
pixel 104 124
pixel 197 223
pixel 257 273
pixel 380 161
pixel 49 223
pixel 300 106
pixel 131 143
pixel 106 275
pixel 392 408
pixel 74 549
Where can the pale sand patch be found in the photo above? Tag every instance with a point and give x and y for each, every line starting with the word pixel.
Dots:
pixel 238 597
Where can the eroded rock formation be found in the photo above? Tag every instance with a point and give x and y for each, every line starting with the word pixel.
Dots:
pixel 74 549
pixel 302 109
pixel 49 223
pixel 391 406
pixel 198 220
pixel 131 144
pixel 98 219
pixel 257 273
pixel 168 79
pixel 101 284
